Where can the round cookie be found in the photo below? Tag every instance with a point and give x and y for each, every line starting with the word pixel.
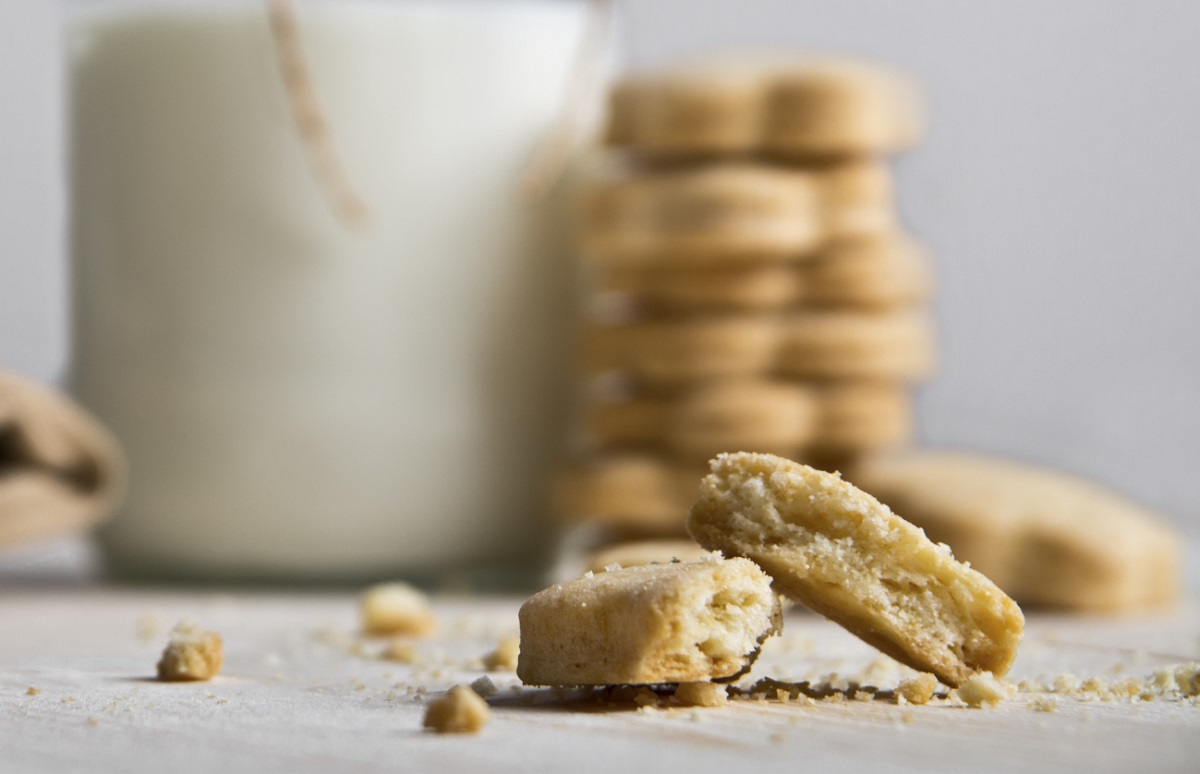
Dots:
pixel 750 288
pixel 679 352
pixel 1046 538
pixel 726 213
pixel 885 346
pixel 741 415
pixel 841 108
pixel 856 198
pixel 640 492
pixel 634 422
pixel 857 417
pixel 883 270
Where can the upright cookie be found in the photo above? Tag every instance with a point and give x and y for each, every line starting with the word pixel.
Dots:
pixel 881 271
pixel 848 557
pixel 723 214
pixel 666 623
pixel 1044 537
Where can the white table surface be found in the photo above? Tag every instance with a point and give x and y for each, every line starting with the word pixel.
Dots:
pixel 301 691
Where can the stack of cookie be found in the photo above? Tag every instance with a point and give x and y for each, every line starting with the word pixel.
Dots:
pixel 752 288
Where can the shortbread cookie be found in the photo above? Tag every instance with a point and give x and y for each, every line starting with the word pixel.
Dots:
pixel 885 346
pixel 664 623
pixel 633 422
pixel 741 414
pixel 881 271
pixel 856 417
pixel 840 108
pixel 856 198
pixel 848 557
pixel 640 492
pixel 750 288
pixel 1044 537
pixel 797 107
pixel 639 553
pixel 717 214
pixel 670 353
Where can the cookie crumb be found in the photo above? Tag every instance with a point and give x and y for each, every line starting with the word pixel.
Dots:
pixel 504 657
pixel 917 690
pixel 396 608
pixel 484 686
pixel 701 694
pixel 983 688
pixel 1044 703
pixel 1187 677
pixel 191 654
pixel 31 691
pixel 459 711
pixel 399 649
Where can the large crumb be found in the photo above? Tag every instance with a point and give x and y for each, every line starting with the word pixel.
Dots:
pixel 918 690
pixel 1187 677
pixel 504 657
pixel 460 711
pixel 191 654
pixel 396 608
pixel 983 688
pixel 701 694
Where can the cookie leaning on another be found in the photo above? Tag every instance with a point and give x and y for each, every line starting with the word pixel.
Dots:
pixel 842 553
pixel 666 623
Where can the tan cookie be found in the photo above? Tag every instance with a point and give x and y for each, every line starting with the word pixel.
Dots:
pixel 741 415
pixel 857 417
pixel 752 288
pixel 633 422
pixel 858 345
pixel 848 557
pixel 674 352
pixel 635 491
pixel 664 623
pixel 1045 537
pixel 856 198
pixel 723 214
pixel 638 553
pixel 882 271
pixel 800 107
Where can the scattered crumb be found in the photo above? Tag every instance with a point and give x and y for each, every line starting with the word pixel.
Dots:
pixel 360 687
pixel 459 711
pixel 504 657
pixel 191 654
pixel 484 686
pixel 31 691
pixel 1044 703
pixel 863 695
pixel 92 722
pixel 983 688
pixel 1066 684
pixel 778 737
pixel 918 690
pixel 149 627
pixel 906 717
pixel 399 649
pixel 396 608
pixel 66 700
pixel 701 694
pixel 1187 678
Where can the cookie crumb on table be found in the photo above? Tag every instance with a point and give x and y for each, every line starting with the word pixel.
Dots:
pixel 983 688
pixel 396 608
pixel 917 690
pixel 191 654
pixel 504 657
pixel 701 694
pixel 459 711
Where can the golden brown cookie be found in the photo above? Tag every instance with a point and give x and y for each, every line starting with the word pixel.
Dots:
pixel 638 491
pixel 718 214
pixel 638 421
pixel 856 198
pixel 741 415
pixel 638 553
pixel 857 417
pixel 670 353
pixel 897 346
pixel 1045 537
pixel 885 270
pixel 842 553
pixel 665 623
pixel 750 288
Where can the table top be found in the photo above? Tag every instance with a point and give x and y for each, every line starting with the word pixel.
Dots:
pixel 302 690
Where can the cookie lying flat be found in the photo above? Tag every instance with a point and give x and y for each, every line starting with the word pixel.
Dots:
pixel 1044 537
pixel 856 417
pixel 639 553
pixel 753 414
pixel 880 271
pixel 842 553
pixel 665 623
pixel 888 345
pixel 640 492
pixel 856 198
pixel 756 287
pixel 718 214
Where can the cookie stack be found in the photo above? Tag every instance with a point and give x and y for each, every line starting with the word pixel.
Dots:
pixel 752 289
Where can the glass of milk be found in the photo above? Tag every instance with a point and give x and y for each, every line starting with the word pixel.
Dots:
pixel 301 397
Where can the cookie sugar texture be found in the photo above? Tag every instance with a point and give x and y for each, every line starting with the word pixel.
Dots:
pixel 683 622
pixel 842 553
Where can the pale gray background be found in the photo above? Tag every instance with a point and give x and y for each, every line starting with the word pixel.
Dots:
pixel 1059 186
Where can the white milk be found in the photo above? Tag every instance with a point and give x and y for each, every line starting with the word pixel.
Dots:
pixel 299 399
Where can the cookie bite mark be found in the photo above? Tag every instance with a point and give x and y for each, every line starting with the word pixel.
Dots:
pixel 842 553
pixel 672 623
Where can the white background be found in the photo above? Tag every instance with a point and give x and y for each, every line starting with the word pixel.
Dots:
pixel 1059 186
